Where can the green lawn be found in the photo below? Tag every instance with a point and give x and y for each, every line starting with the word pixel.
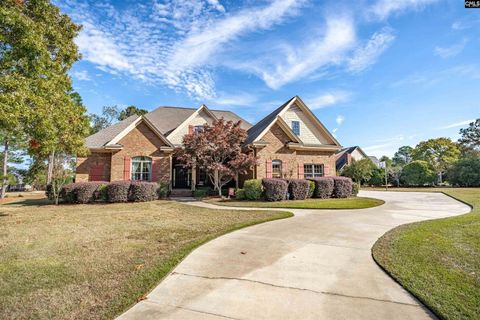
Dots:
pixel 94 261
pixel 347 203
pixel 438 261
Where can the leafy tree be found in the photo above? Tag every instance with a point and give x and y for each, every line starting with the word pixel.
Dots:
pixel 387 160
pixel 360 171
pixel 217 149
pixel 110 114
pixel 470 137
pixel 130 111
pixel 440 153
pixel 465 172
pixel 417 173
pixel 36 51
pixel 394 174
pixel 403 156
pixel 377 178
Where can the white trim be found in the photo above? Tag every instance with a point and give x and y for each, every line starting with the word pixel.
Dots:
pixel 189 119
pixel 273 122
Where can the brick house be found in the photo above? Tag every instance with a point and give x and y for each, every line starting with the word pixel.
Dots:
pixel 290 143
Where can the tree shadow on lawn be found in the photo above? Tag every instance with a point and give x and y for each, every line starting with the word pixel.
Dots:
pixel 28 203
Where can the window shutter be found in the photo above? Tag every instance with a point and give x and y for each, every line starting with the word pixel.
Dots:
pixel 190 129
pixel 326 170
pixel 269 168
pixel 300 170
pixel 126 168
pixel 155 167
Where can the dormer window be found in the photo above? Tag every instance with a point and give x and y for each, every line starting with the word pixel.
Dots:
pixel 198 129
pixel 296 127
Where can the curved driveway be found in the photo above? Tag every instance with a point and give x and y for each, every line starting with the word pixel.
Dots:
pixel 316 265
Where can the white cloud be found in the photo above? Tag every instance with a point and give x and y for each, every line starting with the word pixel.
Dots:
pixel 81 75
pixel 234 99
pixel 367 55
pixel 296 62
pixel 382 9
pixel 451 51
pixel 458 124
pixel 340 119
pixel 327 99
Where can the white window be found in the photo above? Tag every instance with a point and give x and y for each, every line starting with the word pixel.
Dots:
pixel 312 170
pixel 142 168
pixel 276 168
pixel 296 127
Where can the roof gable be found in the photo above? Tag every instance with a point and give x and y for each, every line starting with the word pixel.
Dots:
pixel 258 131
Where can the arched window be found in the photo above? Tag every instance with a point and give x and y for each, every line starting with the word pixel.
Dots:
pixel 142 168
pixel 276 168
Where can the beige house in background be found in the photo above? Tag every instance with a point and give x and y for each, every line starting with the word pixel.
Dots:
pixel 290 142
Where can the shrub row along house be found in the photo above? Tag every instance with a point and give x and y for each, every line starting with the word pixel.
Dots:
pixel 289 143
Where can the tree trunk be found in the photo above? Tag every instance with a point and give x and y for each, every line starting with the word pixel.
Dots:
pixel 51 160
pixel 236 180
pixel 5 170
pixel 217 183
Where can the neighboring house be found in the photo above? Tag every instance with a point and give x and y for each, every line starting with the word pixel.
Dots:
pixel 346 156
pixel 375 161
pixel 290 143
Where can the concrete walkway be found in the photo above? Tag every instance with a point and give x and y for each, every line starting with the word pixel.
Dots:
pixel 316 265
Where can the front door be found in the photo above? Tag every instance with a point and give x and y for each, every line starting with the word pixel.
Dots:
pixel 181 177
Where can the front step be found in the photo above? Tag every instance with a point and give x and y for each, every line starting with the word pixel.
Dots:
pixel 176 193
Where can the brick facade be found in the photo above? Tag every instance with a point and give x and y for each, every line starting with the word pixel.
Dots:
pixel 86 164
pixel 276 150
pixel 141 141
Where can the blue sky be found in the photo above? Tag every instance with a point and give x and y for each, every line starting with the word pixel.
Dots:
pixel 379 74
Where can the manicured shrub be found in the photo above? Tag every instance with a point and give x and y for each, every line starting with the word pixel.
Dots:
pixel 298 189
pixel 101 192
pixel 323 187
pixel 117 191
pixel 275 189
pixel 163 190
pixel 67 194
pixel 141 191
pixel 201 192
pixel 240 194
pixel 311 188
pixel 84 192
pixel 253 189
pixel 355 189
pixel 342 187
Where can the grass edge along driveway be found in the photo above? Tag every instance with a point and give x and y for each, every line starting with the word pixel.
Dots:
pixel 312 203
pixel 438 261
pixel 95 261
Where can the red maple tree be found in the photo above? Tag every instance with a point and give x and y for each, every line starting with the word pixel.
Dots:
pixel 217 149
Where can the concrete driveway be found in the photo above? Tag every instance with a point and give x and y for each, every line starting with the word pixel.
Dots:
pixel 316 265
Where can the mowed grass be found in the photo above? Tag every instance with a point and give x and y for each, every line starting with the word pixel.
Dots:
pixel 94 261
pixel 347 203
pixel 439 260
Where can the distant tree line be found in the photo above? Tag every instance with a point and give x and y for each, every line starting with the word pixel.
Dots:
pixel 437 161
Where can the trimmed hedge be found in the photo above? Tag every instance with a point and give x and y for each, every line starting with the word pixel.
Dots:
pixel 142 191
pixel 253 189
pixel 240 194
pixel 67 194
pixel 342 187
pixel 311 188
pixel 275 189
pixel 84 192
pixel 324 187
pixel 298 189
pixel 117 191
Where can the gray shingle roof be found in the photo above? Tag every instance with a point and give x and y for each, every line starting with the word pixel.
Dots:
pixel 257 129
pixel 165 119
pixel 102 137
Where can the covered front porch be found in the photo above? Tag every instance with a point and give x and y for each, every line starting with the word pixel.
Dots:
pixel 188 178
